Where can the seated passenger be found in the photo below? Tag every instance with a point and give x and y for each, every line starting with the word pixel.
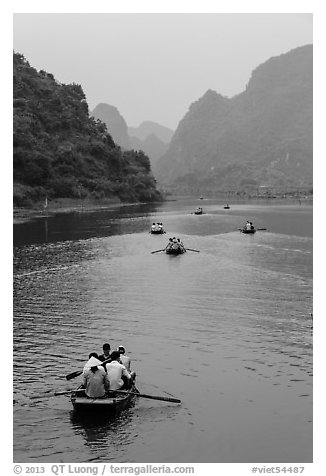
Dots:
pixel 181 244
pixel 124 359
pixel 106 352
pixel 93 359
pixel 96 382
pixel 118 375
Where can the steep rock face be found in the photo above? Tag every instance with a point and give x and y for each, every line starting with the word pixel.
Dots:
pixel 115 123
pixel 263 136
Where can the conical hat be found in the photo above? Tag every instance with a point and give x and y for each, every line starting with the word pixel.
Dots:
pixel 91 362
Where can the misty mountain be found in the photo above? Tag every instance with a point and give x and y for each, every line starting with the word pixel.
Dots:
pixel 115 123
pixel 148 128
pixel 261 137
pixel 152 146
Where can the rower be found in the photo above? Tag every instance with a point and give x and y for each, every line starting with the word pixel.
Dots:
pixel 95 382
pixel 181 244
pixel 169 245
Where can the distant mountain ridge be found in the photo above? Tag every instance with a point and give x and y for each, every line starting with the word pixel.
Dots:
pixel 261 137
pixel 151 146
pixel 147 128
pixel 150 137
pixel 115 123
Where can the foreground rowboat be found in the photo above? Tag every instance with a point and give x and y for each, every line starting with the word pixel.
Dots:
pixel 110 405
pixel 244 230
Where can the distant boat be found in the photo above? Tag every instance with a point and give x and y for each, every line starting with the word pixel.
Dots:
pixel 227 206
pixel 178 250
pixel 201 198
pixel 157 231
pixel 198 211
pixel 246 231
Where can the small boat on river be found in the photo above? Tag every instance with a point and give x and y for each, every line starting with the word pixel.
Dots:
pixel 246 231
pixel 227 207
pixel 157 229
pixel 109 405
pixel 198 211
pixel 178 250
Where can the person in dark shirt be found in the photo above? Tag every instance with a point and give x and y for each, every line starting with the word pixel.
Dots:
pixel 106 352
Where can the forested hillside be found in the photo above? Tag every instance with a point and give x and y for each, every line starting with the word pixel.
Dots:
pixel 259 138
pixel 59 151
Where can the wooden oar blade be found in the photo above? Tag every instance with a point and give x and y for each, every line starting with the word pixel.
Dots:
pixel 74 375
pixel 153 397
pixel 157 251
pixel 189 249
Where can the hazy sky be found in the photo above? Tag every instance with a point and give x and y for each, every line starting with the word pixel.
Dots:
pixel 153 66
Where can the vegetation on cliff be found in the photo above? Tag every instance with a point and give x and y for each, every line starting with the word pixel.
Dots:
pixel 259 138
pixel 60 151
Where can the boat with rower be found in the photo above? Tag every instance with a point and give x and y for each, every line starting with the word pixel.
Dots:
pixel 177 250
pixel 111 404
pixel 198 211
pixel 247 231
pixel 157 229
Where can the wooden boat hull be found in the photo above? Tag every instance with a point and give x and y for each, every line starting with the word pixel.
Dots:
pixel 157 232
pixel 248 232
pixel 175 251
pixel 198 213
pixel 107 405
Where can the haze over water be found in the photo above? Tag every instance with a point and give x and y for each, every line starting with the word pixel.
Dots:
pixel 226 330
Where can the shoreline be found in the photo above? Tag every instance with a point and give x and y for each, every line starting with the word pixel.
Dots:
pixel 22 215
pixel 66 205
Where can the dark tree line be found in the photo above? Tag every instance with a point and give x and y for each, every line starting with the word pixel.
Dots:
pixel 59 151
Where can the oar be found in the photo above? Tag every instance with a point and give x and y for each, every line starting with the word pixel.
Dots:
pixel 157 251
pixel 261 229
pixel 153 397
pixel 55 394
pixel 189 249
pixel 74 374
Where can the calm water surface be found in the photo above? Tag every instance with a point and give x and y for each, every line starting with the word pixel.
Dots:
pixel 226 330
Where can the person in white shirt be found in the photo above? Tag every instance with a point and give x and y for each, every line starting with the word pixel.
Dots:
pixel 96 382
pixel 118 375
pixel 124 359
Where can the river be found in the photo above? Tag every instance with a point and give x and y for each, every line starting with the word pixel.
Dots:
pixel 227 330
